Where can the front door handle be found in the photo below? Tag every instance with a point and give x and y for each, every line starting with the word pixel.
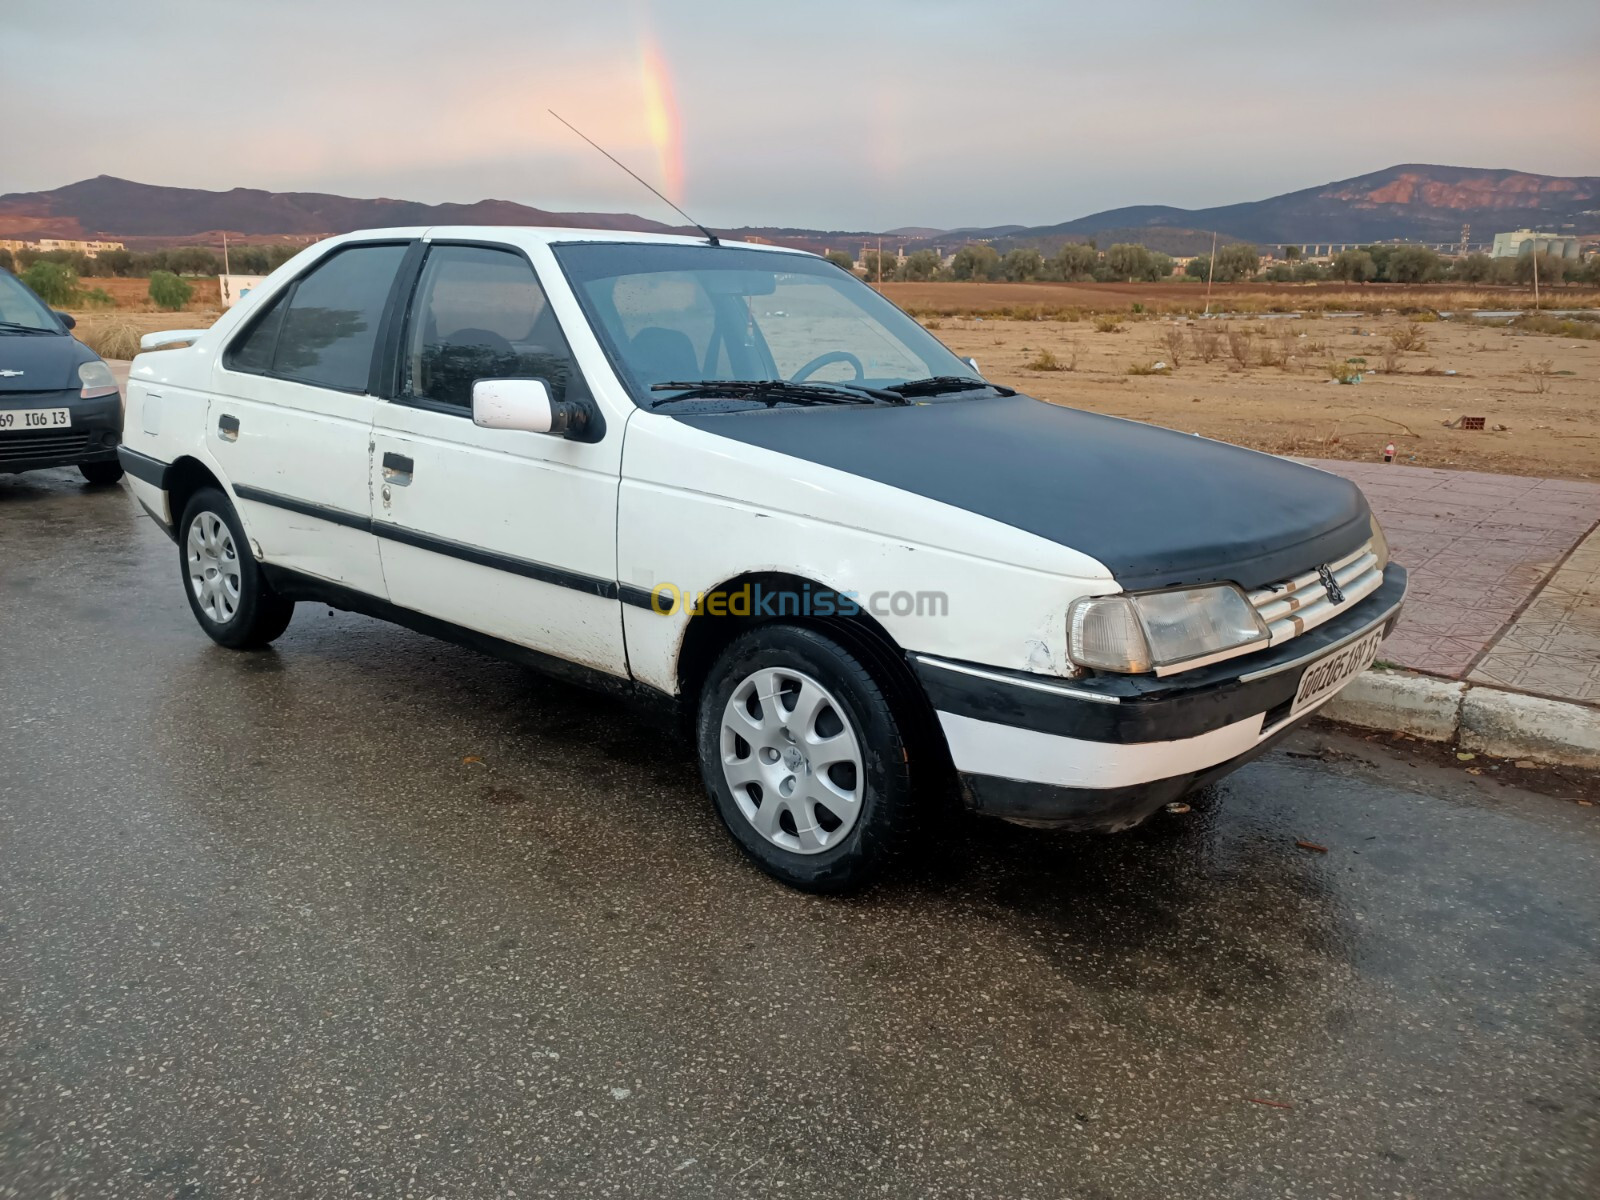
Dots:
pixel 228 428
pixel 397 469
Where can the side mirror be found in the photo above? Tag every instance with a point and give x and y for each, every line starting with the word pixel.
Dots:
pixel 67 319
pixel 523 404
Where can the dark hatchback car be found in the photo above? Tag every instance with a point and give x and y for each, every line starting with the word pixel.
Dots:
pixel 59 402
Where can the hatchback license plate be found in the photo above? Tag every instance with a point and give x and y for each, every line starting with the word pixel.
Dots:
pixel 36 418
pixel 1328 675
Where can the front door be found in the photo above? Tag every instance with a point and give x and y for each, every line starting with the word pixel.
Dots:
pixel 506 533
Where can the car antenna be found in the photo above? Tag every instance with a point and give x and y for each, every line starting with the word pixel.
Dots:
pixel 710 237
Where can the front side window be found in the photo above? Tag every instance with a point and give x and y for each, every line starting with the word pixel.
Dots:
pixel 329 326
pixel 675 314
pixel 480 313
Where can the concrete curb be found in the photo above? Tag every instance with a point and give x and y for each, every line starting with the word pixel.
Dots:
pixel 1504 724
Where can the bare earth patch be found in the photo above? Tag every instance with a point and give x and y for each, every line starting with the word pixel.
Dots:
pixel 1543 390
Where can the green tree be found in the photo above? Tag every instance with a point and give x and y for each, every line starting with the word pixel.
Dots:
pixel 1474 268
pixel 879 264
pixel 53 282
pixel 1551 269
pixel 168 291
pixel 1076 260
pixel 1353 266
pixel 193 260
pixel 1198 267
pixel 1413 264
pixel 1279 273
pixel 6 261
pixel 1160 266
pixel 115 262
pixel 920 265
pixel 976 261
pixel 1127 261
pixel 1292 253
pixel 1380 255
pixel 1237 261
pixel 1022 263
pixel 1308 272
pixel 258 260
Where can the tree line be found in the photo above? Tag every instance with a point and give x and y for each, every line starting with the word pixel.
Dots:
pixel 181 260
pixel 1240 262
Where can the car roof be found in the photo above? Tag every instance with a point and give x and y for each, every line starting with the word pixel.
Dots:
pixel 548 235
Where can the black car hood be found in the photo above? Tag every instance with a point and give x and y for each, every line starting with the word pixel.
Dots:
pixel 1159 508
pixel 48 362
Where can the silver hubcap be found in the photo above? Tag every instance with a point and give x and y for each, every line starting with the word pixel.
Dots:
pixel 792 761
pixel 213 567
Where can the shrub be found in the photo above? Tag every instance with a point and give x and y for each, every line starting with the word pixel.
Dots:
pixel 115 339
pixel 53 282
pixel 1149 369
pixel 1172 339
pixel 1207 342
pixel 1107 324
pixel 168 291
pixel 1408 338
pixel 1239 346
pixel 96 298
pixel 1044 361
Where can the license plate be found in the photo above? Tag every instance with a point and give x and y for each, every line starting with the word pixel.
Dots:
pixel 36 418
pixel 1326 676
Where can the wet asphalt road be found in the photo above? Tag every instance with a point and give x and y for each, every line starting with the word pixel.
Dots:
pixel 370 915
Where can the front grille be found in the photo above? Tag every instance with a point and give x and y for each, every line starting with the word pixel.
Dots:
pixel 25 444
pixel 1295 605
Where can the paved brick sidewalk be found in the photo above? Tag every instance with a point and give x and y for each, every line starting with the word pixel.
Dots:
pixel 1505 575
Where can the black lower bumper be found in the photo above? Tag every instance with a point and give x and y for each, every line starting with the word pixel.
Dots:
pixel 1082 715
pixel 93 436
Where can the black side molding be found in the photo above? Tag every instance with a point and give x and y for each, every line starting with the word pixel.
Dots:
pixel 606 589
pixel 143 467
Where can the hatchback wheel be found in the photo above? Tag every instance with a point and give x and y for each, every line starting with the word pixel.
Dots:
pixel 233 603
pixel 101 472
pixel 804 758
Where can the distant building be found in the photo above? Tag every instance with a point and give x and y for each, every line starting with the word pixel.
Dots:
pixel 1526 241
pixel 87 249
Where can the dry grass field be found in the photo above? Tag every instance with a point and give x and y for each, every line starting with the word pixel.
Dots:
pixel 1269 385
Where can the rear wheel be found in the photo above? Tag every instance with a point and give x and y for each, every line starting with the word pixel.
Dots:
pixel 227 594
pixel 805 759
pixel 101 472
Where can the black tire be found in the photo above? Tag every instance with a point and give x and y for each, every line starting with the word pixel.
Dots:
pixel 259 614
pixel 109 471
pixel 886 815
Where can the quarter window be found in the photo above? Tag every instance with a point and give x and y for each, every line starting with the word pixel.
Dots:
pixel 480 313
pixel 330 326
pixel 253 352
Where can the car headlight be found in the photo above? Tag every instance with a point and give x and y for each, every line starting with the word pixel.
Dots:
pixel 1138 632
pixel 1380 544
pixel 96 379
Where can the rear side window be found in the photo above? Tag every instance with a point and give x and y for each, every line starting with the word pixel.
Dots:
pixel 322 331
pixel 480 313
pixel 254 351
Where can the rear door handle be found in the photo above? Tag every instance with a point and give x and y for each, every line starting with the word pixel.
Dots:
pixel 228 428
pixel 397 469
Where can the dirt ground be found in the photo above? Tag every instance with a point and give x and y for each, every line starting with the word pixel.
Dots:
pixel 1543 390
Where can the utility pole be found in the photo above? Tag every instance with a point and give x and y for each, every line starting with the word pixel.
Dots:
pixel 1211 270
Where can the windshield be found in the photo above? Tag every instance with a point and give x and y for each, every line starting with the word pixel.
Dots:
pixel 21 309
pixel 670 314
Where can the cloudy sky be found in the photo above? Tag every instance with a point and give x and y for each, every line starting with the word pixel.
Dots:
pixel 825 113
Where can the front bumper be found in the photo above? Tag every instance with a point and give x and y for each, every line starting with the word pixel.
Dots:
pixel 93 436
pixel 1104 752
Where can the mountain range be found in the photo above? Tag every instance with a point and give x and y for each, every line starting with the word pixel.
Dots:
pixel 1411 202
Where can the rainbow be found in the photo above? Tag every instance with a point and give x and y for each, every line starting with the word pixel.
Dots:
pixel 661 116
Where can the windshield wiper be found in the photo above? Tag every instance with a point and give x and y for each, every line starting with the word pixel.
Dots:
pixel 773 391
pixel 13 327
pixel 934 385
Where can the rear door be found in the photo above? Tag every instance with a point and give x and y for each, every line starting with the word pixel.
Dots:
pixel 506 533
pixel 290 419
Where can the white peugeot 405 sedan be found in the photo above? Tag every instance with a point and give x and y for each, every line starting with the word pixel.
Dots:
pixel 736 480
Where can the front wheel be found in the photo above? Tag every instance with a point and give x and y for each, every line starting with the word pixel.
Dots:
pixel 227 594
pixel 805 759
